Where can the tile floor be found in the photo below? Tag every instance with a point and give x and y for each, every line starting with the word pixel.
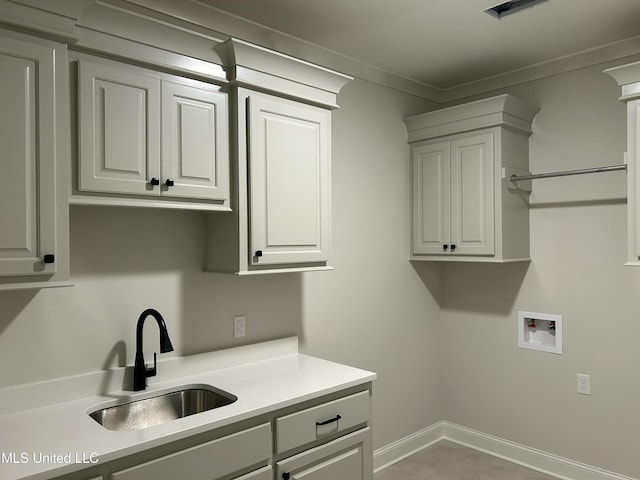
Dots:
pixel 449 461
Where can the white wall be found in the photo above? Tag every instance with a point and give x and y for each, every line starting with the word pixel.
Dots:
pixel 123 261
pixel 578 248
pixel 373 311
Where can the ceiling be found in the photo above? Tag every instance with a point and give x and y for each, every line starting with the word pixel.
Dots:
pixel 446 43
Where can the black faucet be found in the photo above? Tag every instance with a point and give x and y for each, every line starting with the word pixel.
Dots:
pixel 140 370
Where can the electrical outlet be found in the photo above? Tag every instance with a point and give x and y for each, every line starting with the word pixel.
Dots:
pixel 584 384
pixel 239 326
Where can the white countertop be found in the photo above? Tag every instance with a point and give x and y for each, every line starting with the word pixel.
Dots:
pixel 51 440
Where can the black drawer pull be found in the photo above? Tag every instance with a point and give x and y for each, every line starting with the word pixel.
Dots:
pixel 327 422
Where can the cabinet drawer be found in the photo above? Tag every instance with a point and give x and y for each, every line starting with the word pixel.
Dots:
pixel 329 418
pixel 348 457
pixel 214 459
pixel 265 473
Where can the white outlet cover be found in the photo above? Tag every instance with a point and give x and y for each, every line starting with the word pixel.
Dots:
pixel 239 326
pixel 584 384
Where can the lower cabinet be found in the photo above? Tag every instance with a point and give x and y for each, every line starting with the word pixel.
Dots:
pixel 219 458
pixel 329 441
pixel 327 438
pixel 265 473
pixel 346 458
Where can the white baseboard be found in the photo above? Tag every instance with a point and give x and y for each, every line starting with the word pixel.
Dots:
pixel 401 449
pixel 544 462
pixel 553 465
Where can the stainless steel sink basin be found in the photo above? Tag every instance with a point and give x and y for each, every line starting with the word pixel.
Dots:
pixel 160 407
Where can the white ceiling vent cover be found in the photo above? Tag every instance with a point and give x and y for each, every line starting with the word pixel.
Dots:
pixel 512 6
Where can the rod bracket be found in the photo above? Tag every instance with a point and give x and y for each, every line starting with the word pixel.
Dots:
pixel 522 186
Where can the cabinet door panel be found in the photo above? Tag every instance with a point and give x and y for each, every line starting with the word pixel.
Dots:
pixel 346 466
pixel 27 126
pixel 265 473
pixel 472 195
pixel 119 123
pixel 633 179
pixel 195 142
pixel 346 458
pixel 289 182
pixel 211 460
pixel 431 198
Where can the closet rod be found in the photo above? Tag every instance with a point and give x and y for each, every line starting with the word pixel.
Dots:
pixel 535 176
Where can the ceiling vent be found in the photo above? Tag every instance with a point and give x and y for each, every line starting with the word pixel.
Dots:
pixel 512 6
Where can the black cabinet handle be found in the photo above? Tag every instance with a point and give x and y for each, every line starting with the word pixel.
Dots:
pixel 327 422
pixel 154 181
pixel 445 247
pixel 453 248
pixel 170 182
pixel 258 253
pixel 286 476
pixel 49 258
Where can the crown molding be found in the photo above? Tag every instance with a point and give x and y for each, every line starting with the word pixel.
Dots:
pixel 119 29
pixel 502 110
pixel 41 17
pixel 209 26
pixel 628 77
pixel 605 53
pixel 251 65
pixel 194 11
pixel 205 16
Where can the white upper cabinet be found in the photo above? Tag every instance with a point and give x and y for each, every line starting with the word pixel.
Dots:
pixel 146 136
pixel 461 209
pixel 282 165
pixel 289 181
pixel 628 77
pixel 33 121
